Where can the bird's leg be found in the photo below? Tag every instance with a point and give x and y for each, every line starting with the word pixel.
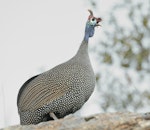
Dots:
pixel 53 116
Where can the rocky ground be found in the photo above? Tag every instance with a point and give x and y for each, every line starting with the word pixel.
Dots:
pixel 105 121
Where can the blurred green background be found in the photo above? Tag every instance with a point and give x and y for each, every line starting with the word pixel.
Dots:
pixel 123 56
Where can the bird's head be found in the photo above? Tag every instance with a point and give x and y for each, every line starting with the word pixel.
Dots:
pixel 91 23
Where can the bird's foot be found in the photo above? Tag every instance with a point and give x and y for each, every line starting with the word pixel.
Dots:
pixel 53 116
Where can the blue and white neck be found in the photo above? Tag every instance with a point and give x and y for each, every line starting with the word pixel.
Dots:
pixel 89 31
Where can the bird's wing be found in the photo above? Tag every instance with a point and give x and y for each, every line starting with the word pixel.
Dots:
pixel 24 86
pixel 41 91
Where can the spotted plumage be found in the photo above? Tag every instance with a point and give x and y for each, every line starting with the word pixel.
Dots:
pixel 61 91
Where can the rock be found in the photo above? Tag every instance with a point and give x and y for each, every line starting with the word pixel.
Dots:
pixel 105 121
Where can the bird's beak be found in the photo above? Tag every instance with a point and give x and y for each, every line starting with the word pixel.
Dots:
pixel 98 20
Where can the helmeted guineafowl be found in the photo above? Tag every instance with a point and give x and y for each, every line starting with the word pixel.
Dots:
pixel 63 89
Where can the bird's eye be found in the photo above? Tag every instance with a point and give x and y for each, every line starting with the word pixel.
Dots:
pixel 93 19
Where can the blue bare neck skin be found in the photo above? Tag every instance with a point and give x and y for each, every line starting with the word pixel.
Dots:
pixel 83 50
pixel 89 32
